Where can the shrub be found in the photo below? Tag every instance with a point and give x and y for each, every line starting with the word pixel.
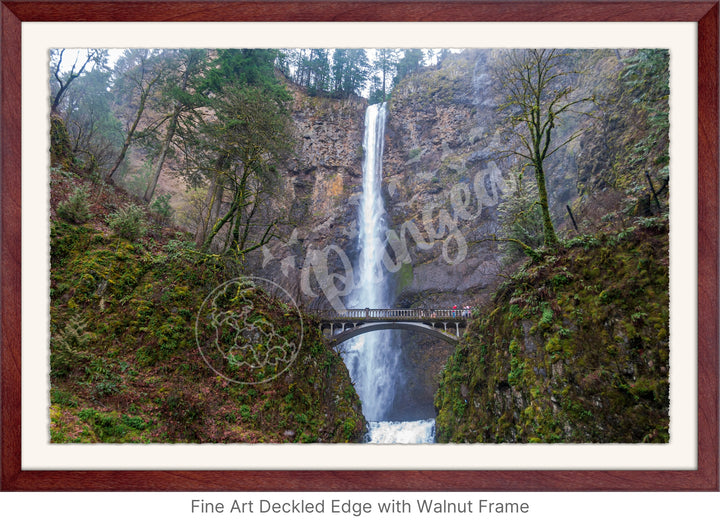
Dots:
pixel 161 206
pixel 520 218
pixel 177 249
pixel 66 347
pixel 75 209
pixel 128 222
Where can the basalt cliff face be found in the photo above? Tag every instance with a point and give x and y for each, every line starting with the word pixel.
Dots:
pixel 443 186
pixel 446 174
pixel 323 182
pixel 444 183
pixel 445 171
pixel 441 183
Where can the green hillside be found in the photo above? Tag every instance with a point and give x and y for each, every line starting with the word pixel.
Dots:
pixel 125 364
pixel 573 348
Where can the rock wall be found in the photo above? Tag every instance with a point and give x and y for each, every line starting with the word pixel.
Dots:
pixel 444 176
pixel 441 181
pixel 574 349
pixel 443 185
pixel 323 181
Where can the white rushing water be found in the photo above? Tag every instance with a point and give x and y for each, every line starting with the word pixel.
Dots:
pixel 372 358
pixel 415 432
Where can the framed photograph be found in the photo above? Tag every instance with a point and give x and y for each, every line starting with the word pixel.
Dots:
pixel 140 356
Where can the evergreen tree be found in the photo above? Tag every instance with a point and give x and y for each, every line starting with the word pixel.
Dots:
pixel 350 72
pixel 235 144
pixel 178 96
pixel 94 131
pixel 384 68
pixel 249 135
pixel 320 71
pixel 236 67
pixel 411 61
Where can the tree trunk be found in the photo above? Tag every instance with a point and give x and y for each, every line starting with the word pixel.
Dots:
pixel 213 201
pixel 168 139
pixel 163 154
pixel 550 236
pixel 219 225
pixel 129 136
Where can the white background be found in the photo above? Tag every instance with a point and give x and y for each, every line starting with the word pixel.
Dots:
pixel 546 509
pixel 556 510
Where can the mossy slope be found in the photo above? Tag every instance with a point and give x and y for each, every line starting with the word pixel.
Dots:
pixel 124 361
pixel 573 349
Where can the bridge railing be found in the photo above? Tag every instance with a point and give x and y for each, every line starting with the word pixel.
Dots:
pixel 393 313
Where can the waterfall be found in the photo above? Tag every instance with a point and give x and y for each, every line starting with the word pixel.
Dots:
pixel 372 358
pixel 415 432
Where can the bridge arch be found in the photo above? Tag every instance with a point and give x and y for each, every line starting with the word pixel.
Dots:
pixel 440 323
pixel 364 328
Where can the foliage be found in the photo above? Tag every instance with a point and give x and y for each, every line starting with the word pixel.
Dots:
pixel 309 68
pixel 161 206
pixel 411 61
pixel 350 71
pixel 135 181
pixel 61 153
pixel 124 359
pixel 640 68
pixel 235 68
pixel 128 222
pixel 344 72
pixel 178 98
pixel 384 67
pixel 520 218
pixel 76 209
pixel 573 348
pixel 627 150
pixel 238 152
pixel 67 347
pixel 95 131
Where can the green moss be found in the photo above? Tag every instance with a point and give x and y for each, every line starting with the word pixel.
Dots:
pixel 60 145
pixel 546 317
pixel 124 360
pixel 593 367
pixel 404 277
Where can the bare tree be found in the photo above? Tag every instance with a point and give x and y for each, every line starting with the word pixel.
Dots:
pixel 537 91
pixel 63 77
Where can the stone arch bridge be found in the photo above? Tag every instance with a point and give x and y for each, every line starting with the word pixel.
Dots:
pixel 447 325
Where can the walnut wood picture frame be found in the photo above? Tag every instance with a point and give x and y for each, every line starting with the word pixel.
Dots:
pixel 702 13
